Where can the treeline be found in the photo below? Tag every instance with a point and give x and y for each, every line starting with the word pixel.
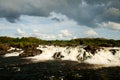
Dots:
pixel 20 42
pixel 29 41
pixel 97 42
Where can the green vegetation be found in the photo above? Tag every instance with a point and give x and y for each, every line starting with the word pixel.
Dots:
pixel 97 42
pixel 29 41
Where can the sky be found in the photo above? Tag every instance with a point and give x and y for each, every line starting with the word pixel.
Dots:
pixel 60 19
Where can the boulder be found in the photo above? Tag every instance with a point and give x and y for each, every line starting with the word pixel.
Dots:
pixel 92 49
pixel 29 52
pixel 113 51
pixel 4 48
pixel 57 55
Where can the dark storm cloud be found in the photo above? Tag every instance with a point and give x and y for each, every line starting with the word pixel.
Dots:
pixel 85 12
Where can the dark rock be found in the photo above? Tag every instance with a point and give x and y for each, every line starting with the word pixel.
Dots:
pixel 4 48
pixel 58 55
pixel 82 58
pixel 28 52
pixel 92 49
pixel 78 57
pixel 113 51
pixel 3 52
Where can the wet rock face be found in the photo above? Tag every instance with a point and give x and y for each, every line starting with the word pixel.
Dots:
pixel 58 55
pixel 113 51
pixel 28 52
pixel 4 48
pixel 83 57
pixel 92 49
pixel 2 52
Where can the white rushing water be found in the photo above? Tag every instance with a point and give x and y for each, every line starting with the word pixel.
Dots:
pixel 13 54
pixel 16 52
pixel 109 56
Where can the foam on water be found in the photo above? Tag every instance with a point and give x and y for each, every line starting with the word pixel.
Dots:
pixel 16 52
pixel 12 48
pixel 104 56
pixel 13 54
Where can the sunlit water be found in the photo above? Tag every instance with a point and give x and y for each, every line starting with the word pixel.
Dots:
pixel 77 64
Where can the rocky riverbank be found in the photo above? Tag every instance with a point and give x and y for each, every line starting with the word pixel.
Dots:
pixel 82 54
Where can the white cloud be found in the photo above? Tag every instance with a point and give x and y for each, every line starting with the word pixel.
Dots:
pixel 42 27
pixel 63 20
pixel 50 36
pixel 112 25
pixel 90 33
pixel 59 16
pixel 65 33
pixel 113 12
pixel 45 28
pixel 83 4
pixel 74 37
pixel 41 35
pixel 20 33
pixel 1 28
pixel 60 36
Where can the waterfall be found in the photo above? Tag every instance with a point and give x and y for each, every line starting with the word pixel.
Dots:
pixel 106 55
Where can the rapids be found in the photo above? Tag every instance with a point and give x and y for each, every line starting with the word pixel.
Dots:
pixel 109 56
